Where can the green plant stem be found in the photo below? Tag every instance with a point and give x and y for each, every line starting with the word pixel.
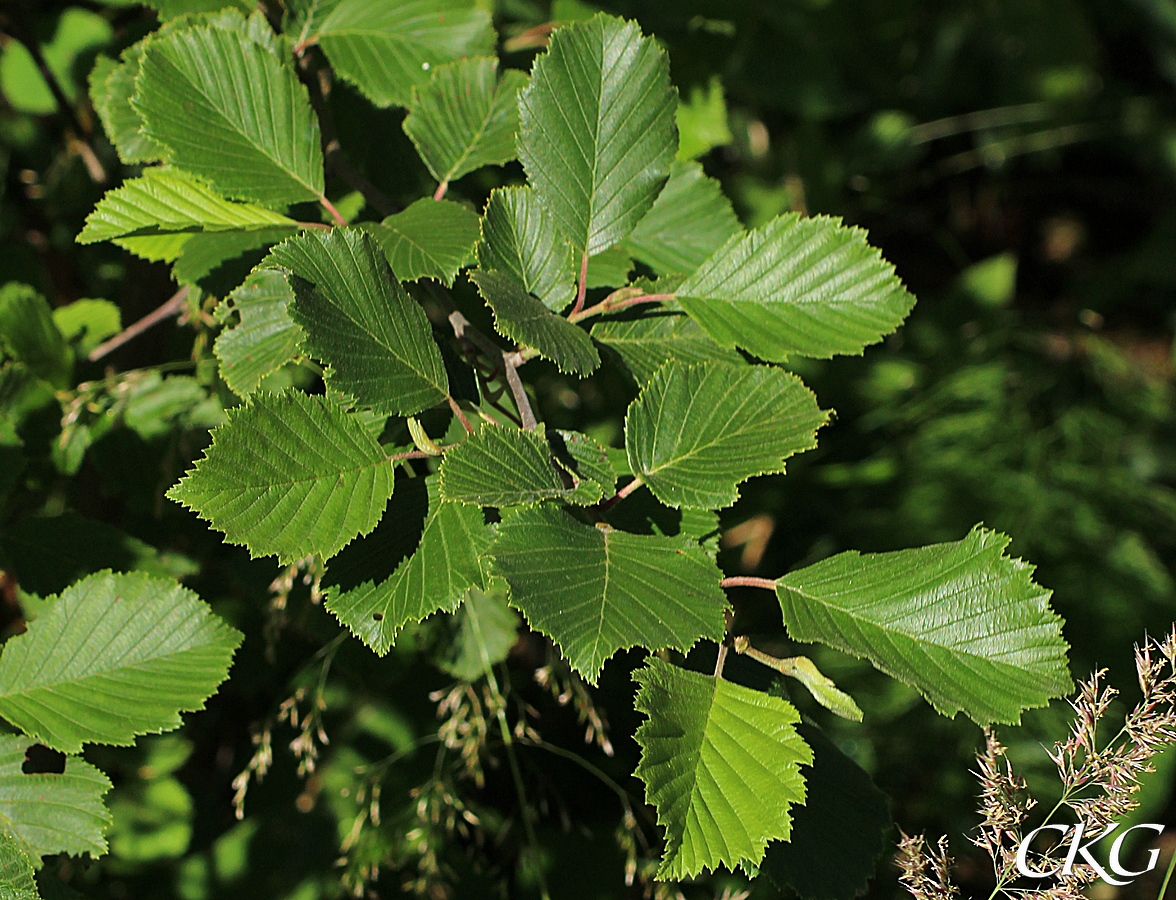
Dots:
pixel 609 304
pixel 721 659
pixel 508 742
pixel 1167 876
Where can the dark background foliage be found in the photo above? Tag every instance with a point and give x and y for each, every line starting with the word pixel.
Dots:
pixel 1015 159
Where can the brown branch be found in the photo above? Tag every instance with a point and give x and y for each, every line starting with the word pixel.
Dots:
pixel 768 584
pixel 318 86
pixel 169 308
pixel 512 361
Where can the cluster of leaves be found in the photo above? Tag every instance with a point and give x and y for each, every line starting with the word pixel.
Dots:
pixel 405 525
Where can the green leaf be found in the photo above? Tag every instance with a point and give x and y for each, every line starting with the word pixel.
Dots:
pixel 586 460
pixel 502 466
pixel 702 120
pixel 87 323
pixel 16 871
pixel 265 339
pixel 435 577
pixel 840 832
pixel 289 475
pixel 609 268
pixel 485 629
pixel 168 200
pixel 646 343
pixel 962 623
pixel 359 320
pixel 721 763
pixel 29 335
pixel 806 286
pixel 596 591
pixel 464 117
pixel 696 431
pixel 690 220
pixel 524 319
pixel 430 239
pixel 520 236
pixel 387 49
pixel 257 137
pixel 171 9
pixel 217 261
pixel 111 87
pixel 114 657
pixel 597 132
pixel 51 813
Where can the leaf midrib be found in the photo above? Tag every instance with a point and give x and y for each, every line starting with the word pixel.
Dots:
pixel 234 127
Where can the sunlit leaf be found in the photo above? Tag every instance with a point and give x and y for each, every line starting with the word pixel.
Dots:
pixel 114 657
pixel 721 763
pixel 289 475
pixel 961 622
pixel 597 131
pixel 596 590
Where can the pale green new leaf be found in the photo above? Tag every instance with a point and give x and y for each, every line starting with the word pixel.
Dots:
pixel 960 622
pixel 595 591
pixel 387 49
pixel 265 339
pixel 597 132
pixel 289 475
pixel 721 763
pixel 689 221
pixel 51 813
pixel 521 237
pixel 696 431
pixel 359 320
pixel 16 871
pixel 645 344
pixel 502 466
pixel 435 577
pixel 114 657
pixel 112 84
pixel 228 113
pixel 168 200
pixel 524 319
pixel 806 286
pixel 430 239
pixel 464 117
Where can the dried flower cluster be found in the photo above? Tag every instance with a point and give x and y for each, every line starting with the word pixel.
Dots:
pixel 1099 784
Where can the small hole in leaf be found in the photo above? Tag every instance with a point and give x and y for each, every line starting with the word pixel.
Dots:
pixel 379 617
pixel 40 760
